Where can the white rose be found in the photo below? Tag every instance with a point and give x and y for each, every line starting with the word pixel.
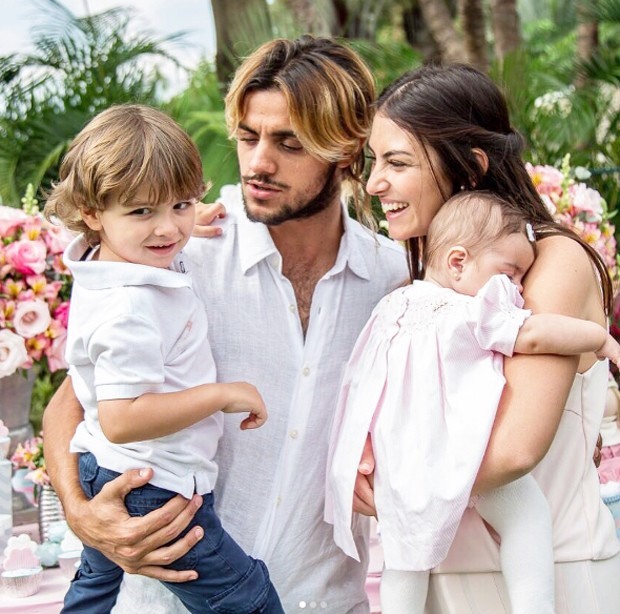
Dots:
pixel 31 318
pixel 13 352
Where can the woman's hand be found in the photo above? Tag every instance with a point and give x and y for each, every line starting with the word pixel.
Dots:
pixel 363 494
pixel 206 215
pixel 136 544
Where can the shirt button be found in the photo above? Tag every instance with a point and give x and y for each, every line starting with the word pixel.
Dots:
pixel 293 434
pixel 274 261
pixel 292 308
pixel 306 371
pixel 278 500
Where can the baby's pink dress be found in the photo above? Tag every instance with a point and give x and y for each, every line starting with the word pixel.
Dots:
pixel 425 378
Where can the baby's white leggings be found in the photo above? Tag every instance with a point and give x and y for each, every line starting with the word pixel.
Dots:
pixel 519 513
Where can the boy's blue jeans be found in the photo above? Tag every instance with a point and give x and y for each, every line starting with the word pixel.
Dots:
pixel 229 581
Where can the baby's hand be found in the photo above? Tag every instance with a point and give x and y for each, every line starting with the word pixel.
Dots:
pixel 245 397
pixel 610 349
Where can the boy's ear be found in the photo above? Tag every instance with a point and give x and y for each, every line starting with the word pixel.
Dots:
pixel 91 218
pixel 456 260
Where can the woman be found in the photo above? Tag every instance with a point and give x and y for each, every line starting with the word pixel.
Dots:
pixel 437 131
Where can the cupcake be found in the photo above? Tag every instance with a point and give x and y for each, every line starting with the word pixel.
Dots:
pixel 22 573
pixel 22 582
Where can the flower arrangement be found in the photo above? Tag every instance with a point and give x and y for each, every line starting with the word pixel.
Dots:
pixel 574 204
pixel 29 455
pixel 34 289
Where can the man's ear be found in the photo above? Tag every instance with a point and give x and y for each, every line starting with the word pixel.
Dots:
pixel 456 260
pixel 482 159
pixel 91 218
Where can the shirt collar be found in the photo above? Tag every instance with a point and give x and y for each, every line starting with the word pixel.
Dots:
pixel 99 274
pixel 256 244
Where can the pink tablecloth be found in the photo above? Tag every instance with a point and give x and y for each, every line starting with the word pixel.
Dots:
pixel 48 600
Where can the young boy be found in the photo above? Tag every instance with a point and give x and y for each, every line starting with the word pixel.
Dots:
pixel 137 346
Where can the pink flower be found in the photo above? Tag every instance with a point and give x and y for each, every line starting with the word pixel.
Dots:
pixel 27 257
pixel 38 476
pixel 13 288
pixel 57 238
pixel 10 220
pixel 13 352
pixel 31 318
pixel 586 200
pixel 61 313
pixel 547 179
pixel 56 352
pixel 32 227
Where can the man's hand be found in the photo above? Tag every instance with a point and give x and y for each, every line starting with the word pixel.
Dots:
pixel 363 495
pixel 206 215
pixel 137 544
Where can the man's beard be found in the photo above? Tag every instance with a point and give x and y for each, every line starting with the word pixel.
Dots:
pixel 325 197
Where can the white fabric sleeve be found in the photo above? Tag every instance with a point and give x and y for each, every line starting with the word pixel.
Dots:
pixel 496 315
pixel 128 357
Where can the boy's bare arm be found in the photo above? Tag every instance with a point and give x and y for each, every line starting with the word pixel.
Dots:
pixel 155 415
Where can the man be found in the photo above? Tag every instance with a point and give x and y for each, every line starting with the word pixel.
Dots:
pixel 287 288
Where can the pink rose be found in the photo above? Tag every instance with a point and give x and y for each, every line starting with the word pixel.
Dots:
pixel 31 318
pixel 13 352
pixel 57 238
pixel 10 220
pixel 588 201
pixel 61 313
pixel 27 257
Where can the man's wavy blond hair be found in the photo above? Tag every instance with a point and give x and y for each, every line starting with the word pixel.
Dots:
pixel 329 92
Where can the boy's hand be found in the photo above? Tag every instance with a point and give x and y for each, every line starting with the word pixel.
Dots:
pixel 206 215
pixel 610 349
pixel 245 397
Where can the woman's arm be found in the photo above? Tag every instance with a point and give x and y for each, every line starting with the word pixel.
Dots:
pixel 562 280
pixel 133 543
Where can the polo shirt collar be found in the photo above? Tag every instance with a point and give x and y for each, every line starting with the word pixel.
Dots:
pixel 100 274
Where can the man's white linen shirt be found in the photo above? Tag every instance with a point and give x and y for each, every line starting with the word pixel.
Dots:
pixel 271 491
pixel 135 329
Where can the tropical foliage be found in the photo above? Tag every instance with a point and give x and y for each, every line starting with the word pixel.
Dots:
pixel 79 66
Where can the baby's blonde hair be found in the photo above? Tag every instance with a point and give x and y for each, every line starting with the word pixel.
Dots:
pixel 118 152
pixel 475 220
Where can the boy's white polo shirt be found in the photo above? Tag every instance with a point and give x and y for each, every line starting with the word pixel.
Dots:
pixel 135 329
